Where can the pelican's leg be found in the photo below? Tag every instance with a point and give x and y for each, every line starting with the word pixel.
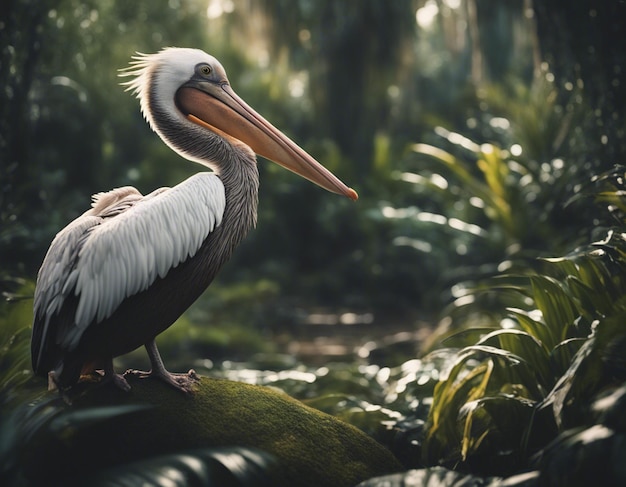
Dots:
pixel 111 376
pixel 183 382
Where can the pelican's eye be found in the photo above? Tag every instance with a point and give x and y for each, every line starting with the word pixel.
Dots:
pixel 205 69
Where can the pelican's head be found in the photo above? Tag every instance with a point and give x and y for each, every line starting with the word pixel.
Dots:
pixel 181 90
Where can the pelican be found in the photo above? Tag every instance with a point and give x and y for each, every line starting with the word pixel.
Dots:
pixel 126 269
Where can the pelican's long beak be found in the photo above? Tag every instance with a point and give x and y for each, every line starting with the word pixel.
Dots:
pixel 217 106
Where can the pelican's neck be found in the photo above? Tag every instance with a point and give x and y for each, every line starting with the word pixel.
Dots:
pixel 233 161
pixel 240 176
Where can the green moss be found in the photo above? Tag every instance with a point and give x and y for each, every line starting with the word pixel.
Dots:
pixel 311 447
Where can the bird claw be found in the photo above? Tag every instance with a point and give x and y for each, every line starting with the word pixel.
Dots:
pixel 120 382
pixel 116 379
pixel 182 382
pixel 140 374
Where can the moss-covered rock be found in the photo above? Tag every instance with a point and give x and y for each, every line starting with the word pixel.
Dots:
pixel 311 448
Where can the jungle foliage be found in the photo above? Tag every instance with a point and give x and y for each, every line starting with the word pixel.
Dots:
pixel 486 140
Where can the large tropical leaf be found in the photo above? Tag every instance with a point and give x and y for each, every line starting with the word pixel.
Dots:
pixel 442 477
pixel 584 456
pixel 586 374
pixel 218 467
pixel 475 402
pixel 47 421
pixel 525 346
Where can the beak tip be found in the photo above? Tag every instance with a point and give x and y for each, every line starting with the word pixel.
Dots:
pixel 352 194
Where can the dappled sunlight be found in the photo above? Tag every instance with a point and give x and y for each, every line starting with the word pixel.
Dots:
pixel 239 373
pixel 391 390
pixel 427 14
pixel 217 8
pixel 347 318
pixel 429 218
pixel 456 139
pixel 414 178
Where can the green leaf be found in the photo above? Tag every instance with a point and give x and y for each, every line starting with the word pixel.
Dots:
pixel 525 346
pixel 533 327
pixel 561 355
pixel 467 337
pixel 479 371
pixel 586 373
pixel 496 426
pixel 585 456
pixel 218 467
pixel 556 306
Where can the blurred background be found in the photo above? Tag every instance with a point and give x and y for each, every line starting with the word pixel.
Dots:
pixel 465 126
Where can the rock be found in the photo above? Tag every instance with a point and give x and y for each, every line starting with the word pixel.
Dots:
pixel 311 448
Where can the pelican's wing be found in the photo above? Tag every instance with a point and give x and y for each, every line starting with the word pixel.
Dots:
pixel 49 296
pixel 119 251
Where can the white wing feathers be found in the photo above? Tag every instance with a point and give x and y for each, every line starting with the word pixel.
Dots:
pixel 50 293
pixel 124 242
